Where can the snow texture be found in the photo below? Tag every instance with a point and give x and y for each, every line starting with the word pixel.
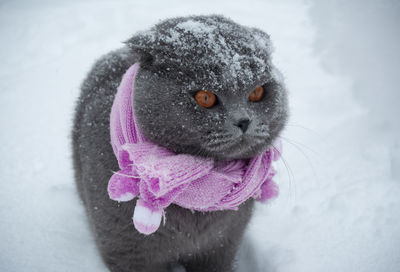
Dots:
pixel 339 202
pixel 213 44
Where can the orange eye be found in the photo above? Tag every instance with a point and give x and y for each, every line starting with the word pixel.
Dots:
pixel 256 94
pixel 205 98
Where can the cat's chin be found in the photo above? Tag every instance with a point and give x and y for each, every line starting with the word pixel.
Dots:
pixel 246 147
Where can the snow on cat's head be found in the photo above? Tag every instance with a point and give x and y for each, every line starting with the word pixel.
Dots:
pixel 180 57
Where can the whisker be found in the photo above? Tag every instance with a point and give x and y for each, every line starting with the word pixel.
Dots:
pixel 304 155
pixel 302 127
pixel 215 137
pixel 293 142
pixel 220 142
pixel 289 171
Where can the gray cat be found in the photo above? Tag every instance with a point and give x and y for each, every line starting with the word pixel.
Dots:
pixel 179 57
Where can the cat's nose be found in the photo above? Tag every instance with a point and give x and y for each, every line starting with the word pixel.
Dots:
pixel 243 124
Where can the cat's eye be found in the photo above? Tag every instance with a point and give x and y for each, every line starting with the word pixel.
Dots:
pixel 256 94
pixel 205 98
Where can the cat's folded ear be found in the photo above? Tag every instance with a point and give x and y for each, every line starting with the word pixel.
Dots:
pixel 262 39
pixel 142 47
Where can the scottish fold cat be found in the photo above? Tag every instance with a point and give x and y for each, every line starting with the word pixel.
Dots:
pixel 206 87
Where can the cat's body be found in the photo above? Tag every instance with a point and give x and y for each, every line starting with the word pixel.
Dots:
pixel 199 241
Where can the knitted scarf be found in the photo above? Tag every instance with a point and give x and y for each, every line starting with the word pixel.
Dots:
pixel 158 177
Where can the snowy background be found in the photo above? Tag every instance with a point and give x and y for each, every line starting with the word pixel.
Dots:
pixel 339 208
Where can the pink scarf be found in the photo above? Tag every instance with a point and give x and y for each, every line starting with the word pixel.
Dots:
pixel 159 177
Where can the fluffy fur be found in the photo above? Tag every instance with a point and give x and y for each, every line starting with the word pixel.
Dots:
pixel 178 57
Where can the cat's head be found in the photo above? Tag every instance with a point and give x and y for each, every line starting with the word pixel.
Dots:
pixel 199 87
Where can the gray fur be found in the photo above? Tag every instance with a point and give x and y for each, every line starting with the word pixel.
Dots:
pixel 178 57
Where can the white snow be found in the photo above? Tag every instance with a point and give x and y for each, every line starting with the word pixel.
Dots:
pixel 339 207
pixel 197 28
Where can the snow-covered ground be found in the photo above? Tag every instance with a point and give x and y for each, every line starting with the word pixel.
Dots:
pixel 339 208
